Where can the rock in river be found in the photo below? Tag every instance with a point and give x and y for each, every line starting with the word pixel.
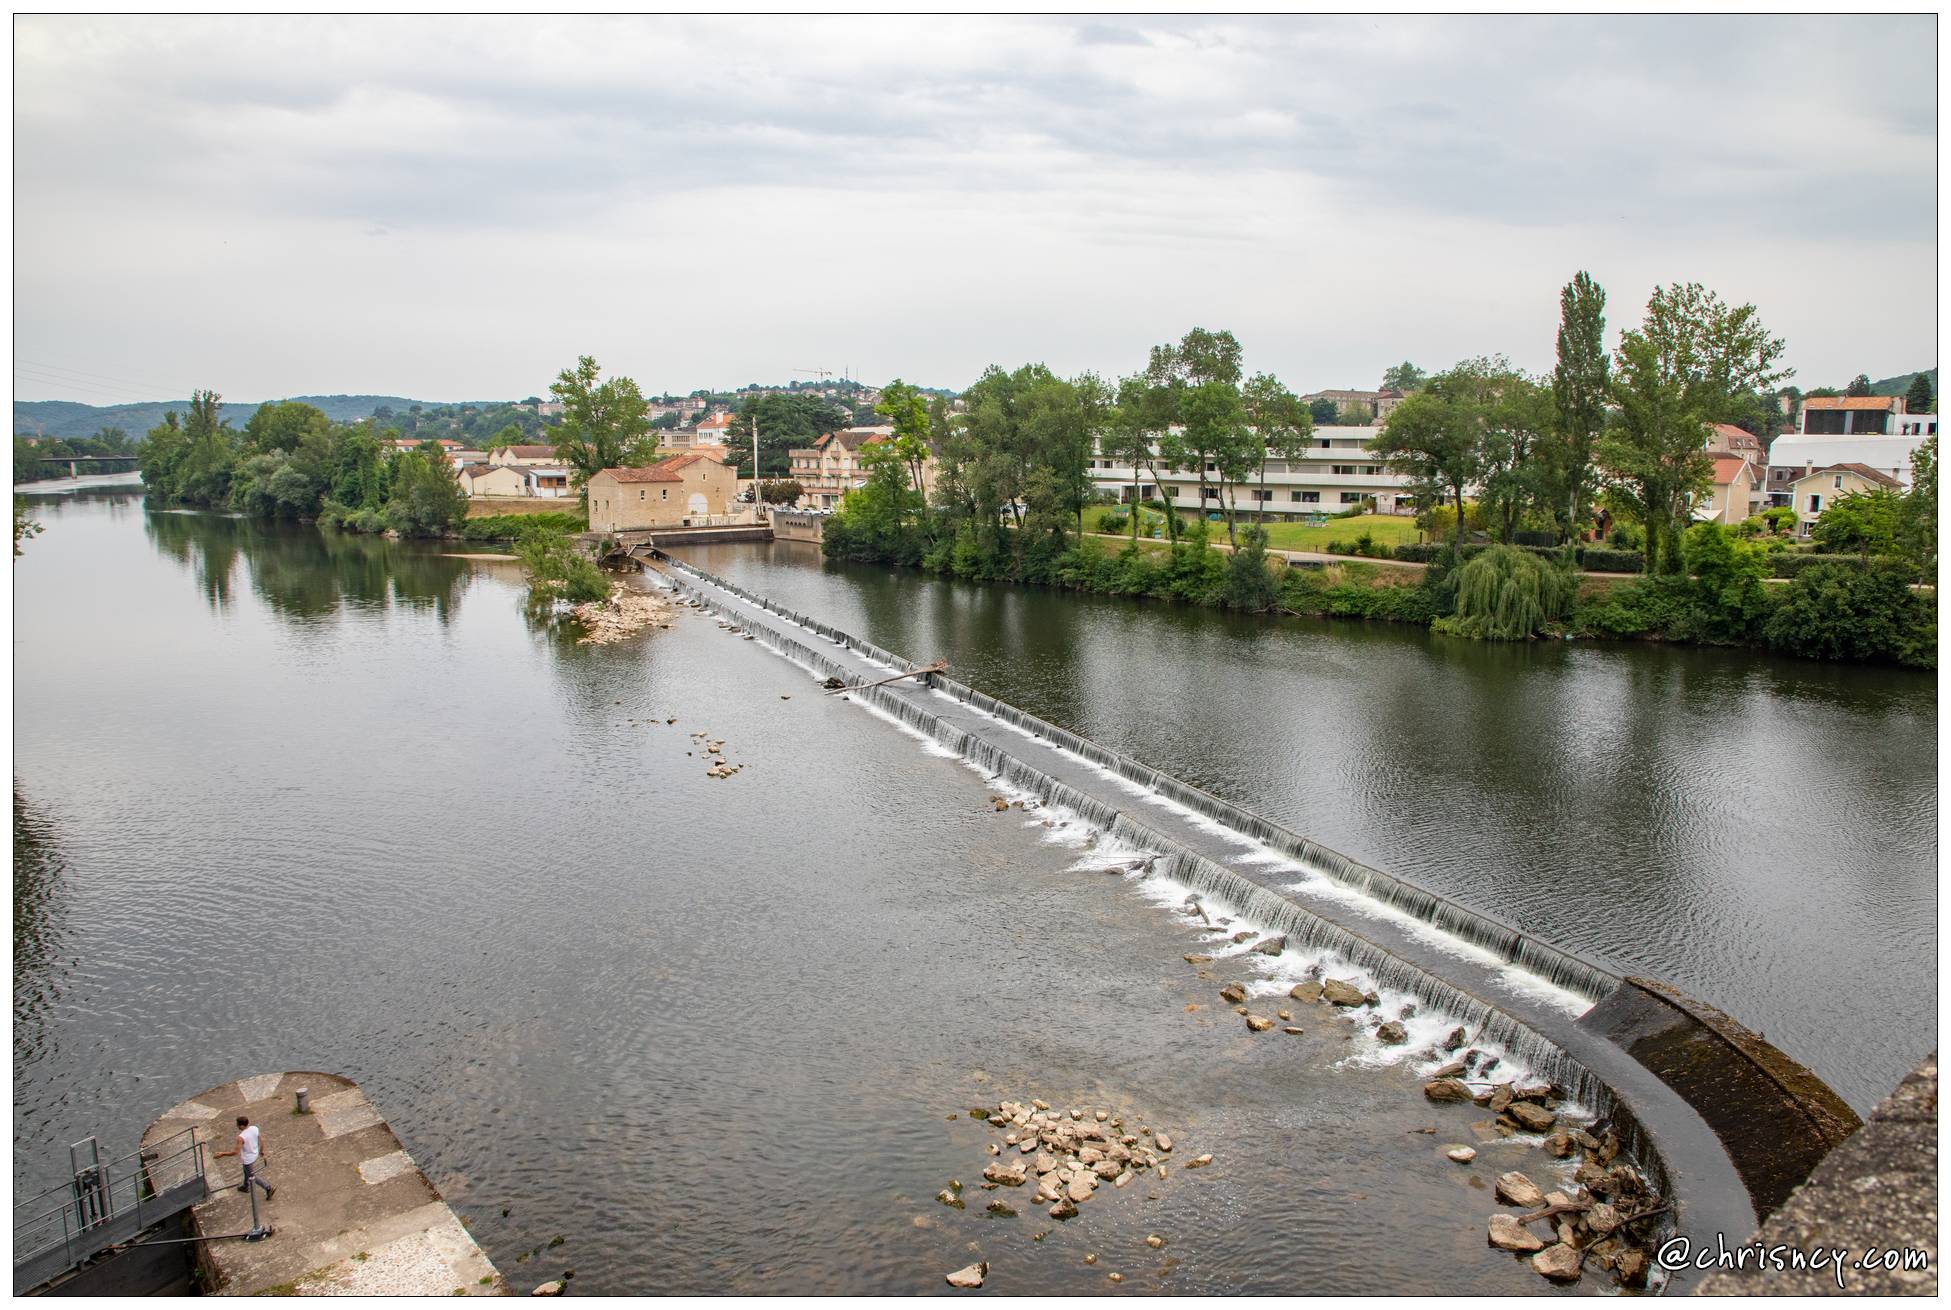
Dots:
pixel 1507 1234
pixel 1464 1155
pixel 1559 1262
pixel 1392 1034
pixel 1306 991
pixel 971 1276
pixel 1337 992
pixel 1446 1089
pixel 1009 1175
pixel 1272 946
pixel 1534 1118
pixel 1518 1190
pixel 1258 1023
pixel 1232 993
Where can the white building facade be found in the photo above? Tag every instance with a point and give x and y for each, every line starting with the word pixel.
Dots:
pixel 1338 472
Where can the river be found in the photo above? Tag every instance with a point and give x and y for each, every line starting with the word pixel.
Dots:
pixel 1761 832
pixel 291 800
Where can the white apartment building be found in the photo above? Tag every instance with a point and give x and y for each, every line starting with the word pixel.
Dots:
pixel 1338 472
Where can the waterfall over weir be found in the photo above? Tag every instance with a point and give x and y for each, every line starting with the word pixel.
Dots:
pixel 1678 1081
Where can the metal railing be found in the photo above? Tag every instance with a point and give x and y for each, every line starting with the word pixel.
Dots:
pixel 104 1203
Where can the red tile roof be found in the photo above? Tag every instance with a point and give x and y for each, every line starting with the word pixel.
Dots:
pixel 531 452
pixel 1850 402
pixel 1737 438
pixel 664 470
pixel 1728 467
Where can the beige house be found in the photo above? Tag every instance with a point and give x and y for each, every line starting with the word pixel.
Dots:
pixel 682 491
pixel 524 456
pixel 493 480
pixel 836 464
pixel 1733 495
pixel 1726 439
pixel 1824 487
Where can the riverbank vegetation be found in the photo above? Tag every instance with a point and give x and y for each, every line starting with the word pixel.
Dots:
pixel 291 462
pixel 1534 468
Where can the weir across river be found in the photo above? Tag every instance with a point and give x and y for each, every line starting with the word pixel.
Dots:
pixel 1723 1122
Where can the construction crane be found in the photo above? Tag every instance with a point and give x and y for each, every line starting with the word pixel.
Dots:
pixel 821 373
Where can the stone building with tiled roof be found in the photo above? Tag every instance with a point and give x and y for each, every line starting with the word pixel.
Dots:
pixel 688 490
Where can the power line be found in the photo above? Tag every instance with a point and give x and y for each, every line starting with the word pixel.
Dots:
pixel 96 391
pixel 103 377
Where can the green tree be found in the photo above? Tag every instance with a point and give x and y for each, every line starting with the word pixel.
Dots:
pixel 906 411
pixel 283 425
pixel 426 499
pixel 1505 593
pixel 1692 362
pixel 1511 416
pixel 786 423
pixel 1404 377
pixel 1324 412
pixel 1280 424
pixel 1858 385
pixel 1920 398
pixel 1135 425
pixel 604 424
pixel 1865 523
pixel 1433 439
pixel 1920 509
pixel 1579 387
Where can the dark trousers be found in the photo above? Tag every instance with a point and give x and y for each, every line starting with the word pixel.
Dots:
pixel 251 1176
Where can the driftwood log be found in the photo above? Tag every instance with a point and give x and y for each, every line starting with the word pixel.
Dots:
pixel 939 666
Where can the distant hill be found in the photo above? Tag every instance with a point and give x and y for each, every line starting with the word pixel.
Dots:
pixel 1901 383
pixel 71 418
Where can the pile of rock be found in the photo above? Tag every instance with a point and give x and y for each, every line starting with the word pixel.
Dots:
pixel 716 750
pixel 1606 1221
pixel 626 612
pixel 1069 1154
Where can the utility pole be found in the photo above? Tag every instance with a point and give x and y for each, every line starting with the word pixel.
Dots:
pixel 755 463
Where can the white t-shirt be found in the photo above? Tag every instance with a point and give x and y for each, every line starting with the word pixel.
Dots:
pixel 247 1145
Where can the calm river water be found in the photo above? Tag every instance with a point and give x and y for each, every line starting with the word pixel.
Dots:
pixel 289 800
pixel 1761 832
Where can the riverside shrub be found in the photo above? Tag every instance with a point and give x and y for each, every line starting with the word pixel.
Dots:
pixel 1837 611
pixel 557 570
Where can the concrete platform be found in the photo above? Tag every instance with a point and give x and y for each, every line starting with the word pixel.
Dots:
pixel 353 1214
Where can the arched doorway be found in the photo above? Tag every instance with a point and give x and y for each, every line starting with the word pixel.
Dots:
pixel 696 507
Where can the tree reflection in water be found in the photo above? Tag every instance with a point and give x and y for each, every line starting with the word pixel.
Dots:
pixel 308 573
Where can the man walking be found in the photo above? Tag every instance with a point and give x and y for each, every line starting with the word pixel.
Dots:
pixel 249 1154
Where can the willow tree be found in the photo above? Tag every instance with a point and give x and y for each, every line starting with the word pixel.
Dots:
pixel 1507 593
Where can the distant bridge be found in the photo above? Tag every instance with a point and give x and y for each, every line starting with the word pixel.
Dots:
pixel 96 463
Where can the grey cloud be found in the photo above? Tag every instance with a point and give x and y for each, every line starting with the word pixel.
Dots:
pixel 1695 133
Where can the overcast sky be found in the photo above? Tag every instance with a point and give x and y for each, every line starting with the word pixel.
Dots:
pixel 454 208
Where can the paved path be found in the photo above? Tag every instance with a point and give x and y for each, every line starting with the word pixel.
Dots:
pixel 1877 1190
pixel 353 1214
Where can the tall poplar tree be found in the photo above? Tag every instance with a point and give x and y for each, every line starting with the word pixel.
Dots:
pixel 1578 393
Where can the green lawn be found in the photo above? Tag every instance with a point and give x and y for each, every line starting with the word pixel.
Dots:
pixel 1388 529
